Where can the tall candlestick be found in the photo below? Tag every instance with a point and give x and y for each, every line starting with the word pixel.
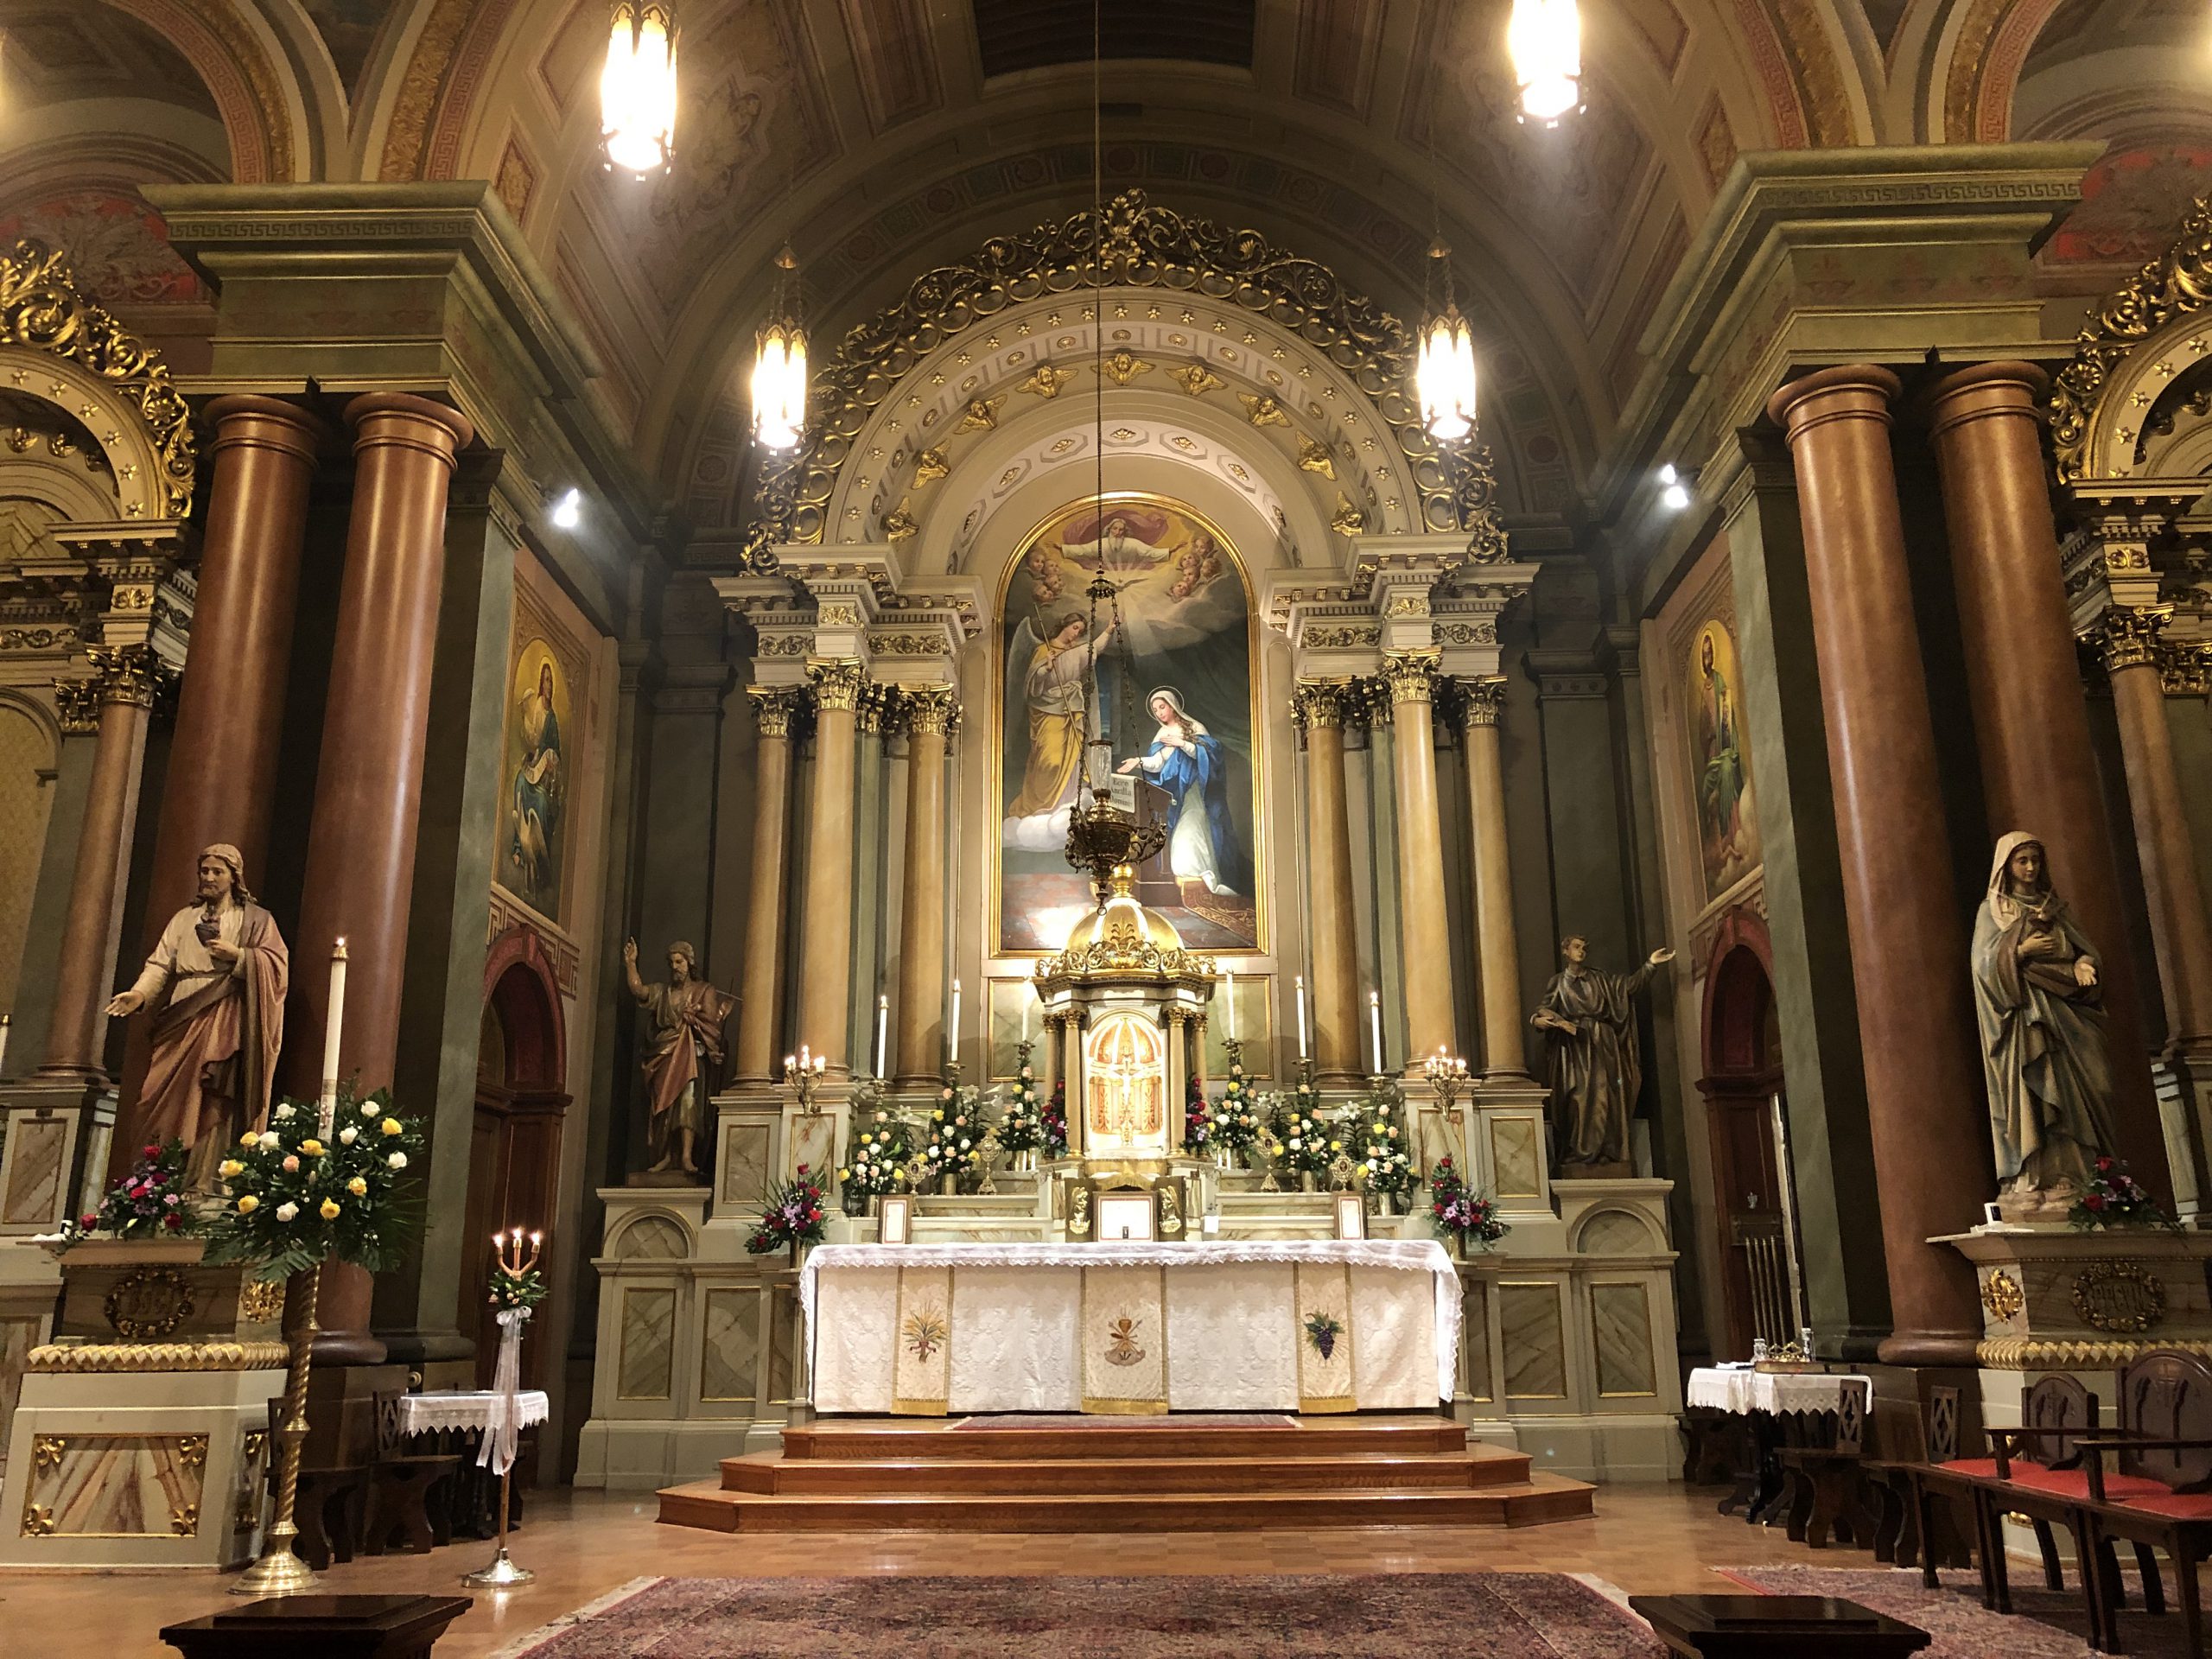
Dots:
pixel 333 1024
pixel 1230 987
pixel 1374 1027
pixel 1301 983
pixel 882 1031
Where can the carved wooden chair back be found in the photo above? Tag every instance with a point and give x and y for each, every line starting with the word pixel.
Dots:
pixel 1851 1417
pixel 1941 1426
pixel 2166 1395
pixel 2060 1410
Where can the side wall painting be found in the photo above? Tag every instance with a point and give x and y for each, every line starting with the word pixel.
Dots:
pixel 544 741
pixel 1728 830
pixel 1174 712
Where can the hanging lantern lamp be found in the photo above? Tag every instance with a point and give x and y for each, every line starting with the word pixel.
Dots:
pixel 779 365
pixel 637 89
pixel 1544 39
pixel 1444 373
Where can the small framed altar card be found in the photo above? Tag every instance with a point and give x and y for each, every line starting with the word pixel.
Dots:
pixel 1126 1218
pixel 1352 1214
pixel 896 1218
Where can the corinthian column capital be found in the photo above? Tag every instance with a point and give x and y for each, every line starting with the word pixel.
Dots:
pixel 1482 695
pixel 1321 704
pixel 1411 675
pixel 133 674
pixel 775 708
pixel 837 683
pixel 2128 636
pixel 931 710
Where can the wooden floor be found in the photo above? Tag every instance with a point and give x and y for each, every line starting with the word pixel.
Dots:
pixel 1090 1475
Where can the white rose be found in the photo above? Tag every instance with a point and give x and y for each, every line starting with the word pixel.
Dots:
pixel 1293 1143
pixel 397 1161
pixel 286 1211
pixel 369 1108
pixel 283 1112
pixel 268 1140
pixel 348 1136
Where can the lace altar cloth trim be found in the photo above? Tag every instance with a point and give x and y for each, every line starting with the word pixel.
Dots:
pixel 1407 1254
pixel 422 1413
pixel 1772 1391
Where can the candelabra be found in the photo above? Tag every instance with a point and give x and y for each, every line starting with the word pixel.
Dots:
pixel 1447 1080
pixel 803 1073
pixel 515 1287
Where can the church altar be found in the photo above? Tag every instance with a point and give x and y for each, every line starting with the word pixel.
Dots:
pixel 1312 1325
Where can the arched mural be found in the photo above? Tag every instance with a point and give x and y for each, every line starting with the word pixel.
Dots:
pixel 1175 712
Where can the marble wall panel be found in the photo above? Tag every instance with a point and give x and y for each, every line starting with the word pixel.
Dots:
pixel 1517 1156
pixel 745 1161
pixel 115 1486
pixel 647 1367
pixel 1616 1232
pixel 1535 1340
pixel 783 1342
pixel 17 1337
pixel 729 1345
pixel 37 1160
pixel 813 1143
pixel 1620 1315
pixel 1475 1368
pixel 654 1238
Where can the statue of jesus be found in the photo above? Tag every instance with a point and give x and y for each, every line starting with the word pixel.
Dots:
pixel 216 984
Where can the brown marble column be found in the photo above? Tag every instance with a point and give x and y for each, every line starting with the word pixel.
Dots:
pixel 758 1058
pixel 1926 1102
pixel 1319 710
pixel 921 907
pixel 1497 949
pixel 368 788
pixel 2173 893
pixel 124 680
pixel 2024 681
pixel 826 916
pixel 1424 937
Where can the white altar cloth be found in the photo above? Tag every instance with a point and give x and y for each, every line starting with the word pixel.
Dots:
pixel 469 1409
pixel 930 1329
pixel 1742 1389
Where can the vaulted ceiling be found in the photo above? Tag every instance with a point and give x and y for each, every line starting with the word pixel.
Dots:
pixel 883 136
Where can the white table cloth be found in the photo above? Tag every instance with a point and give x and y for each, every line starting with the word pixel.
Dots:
pixel 1744 1390
pixel 469 1409
pixel 948 1329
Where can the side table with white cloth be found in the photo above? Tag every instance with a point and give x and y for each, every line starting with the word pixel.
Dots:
pixel 1257 1324
pixel 467 1422
pixel 1778 1409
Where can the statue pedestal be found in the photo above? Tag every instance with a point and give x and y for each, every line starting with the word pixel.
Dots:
pixel 1506 1159
pixel 2053 1298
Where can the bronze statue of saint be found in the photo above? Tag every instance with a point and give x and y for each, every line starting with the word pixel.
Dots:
pixel 2040 1009
pixel 683 1045
pixel 1588 1018
pixel 216 985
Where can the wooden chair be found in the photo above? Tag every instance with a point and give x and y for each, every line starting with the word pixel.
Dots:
pixel 410 1495
pixel 1944 1475
pixel 2056 1411
pixel 1827 1484
pixel 2160 1498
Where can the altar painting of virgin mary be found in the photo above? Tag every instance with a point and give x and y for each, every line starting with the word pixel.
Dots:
pixel 1173 709
pixel 533 832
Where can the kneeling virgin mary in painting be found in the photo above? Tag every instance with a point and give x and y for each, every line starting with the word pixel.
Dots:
pixel 1187 761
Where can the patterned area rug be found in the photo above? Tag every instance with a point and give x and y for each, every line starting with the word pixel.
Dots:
pixel 1177 1420
pixel 1526 1615
pixel 2045 1624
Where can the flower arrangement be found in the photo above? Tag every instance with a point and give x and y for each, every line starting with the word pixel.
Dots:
pixel 1056 1121
pixel 1302 1140
pixel 1022 1128
pixel 1386 1163
pixel 1198 1118
pixel 2116 1199
pixel 297 1193
pixel 150 1202
pixel 792 1218
pixel 878 1156
pixel 1233 1124
pixel 1456 1213
pixel 515 1280
pixel 952 1136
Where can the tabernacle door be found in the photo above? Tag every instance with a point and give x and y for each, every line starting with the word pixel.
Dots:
pixel 1125 1093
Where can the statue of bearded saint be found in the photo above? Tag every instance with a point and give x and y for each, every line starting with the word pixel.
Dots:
pixel 215 983
pixel 682 1045
pixel 2039 1004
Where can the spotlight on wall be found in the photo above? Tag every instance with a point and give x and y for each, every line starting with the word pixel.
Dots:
pixel 569 510
pixel 1674 489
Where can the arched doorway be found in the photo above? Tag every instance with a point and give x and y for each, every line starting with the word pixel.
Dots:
pixel 1743 1085
pixel 514 1162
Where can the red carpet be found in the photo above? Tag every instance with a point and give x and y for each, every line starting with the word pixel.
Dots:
pixel 1395 1616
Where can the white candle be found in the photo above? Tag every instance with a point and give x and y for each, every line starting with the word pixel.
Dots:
pixel 952 1032
pixel 882 1031
pixel 333 1024
pixel 1300 983
pixel 1374 1027
pixel 1230 987
pixel 1025 1019
pixel 4 1020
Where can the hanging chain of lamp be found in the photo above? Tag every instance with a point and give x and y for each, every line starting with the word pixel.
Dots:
pixel 1544 40
pixel 637 89
pixel 779 365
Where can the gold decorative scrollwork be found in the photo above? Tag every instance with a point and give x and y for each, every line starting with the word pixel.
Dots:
pixel 192 1452
pixel 77 703
pixel 148 1302
pixel 184 1520
pixel 261 1301
pixel 47 1452
pixel 38 1521
pixel 42 308
pixel 2176 284
pixel 1132 244
pixel 2118 1298
pixel 2001 1295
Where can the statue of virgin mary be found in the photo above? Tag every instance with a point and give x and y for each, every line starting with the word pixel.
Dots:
pixel 1188 762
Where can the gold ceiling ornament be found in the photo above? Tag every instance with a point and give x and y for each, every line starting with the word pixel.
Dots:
pixel 1130 243
pixel 1197 379
pixel 42 308
pixel 1261 409
pixel 1313 457
pixel 981 415
pixel 1046 381
pixel 1347 520
pixel 899 524
pixel 1123 366
pixel 930 466
pixel 2176 284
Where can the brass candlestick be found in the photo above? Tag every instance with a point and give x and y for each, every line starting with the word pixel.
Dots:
pixel 280 1572
pixel 1448 1077
pixel 803 1075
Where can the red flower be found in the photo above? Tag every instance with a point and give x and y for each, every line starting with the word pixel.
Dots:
pixel 813 1214
pixel 153 1152
pixel 2094 1201
pixel 2104 1163
pixel 173 1220
pixel 88 1221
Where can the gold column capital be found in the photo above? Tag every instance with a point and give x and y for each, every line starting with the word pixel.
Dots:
pixel 1322 703
pixel 77 703
pixel 2128 636
pixel 837 682
pixel 777 708
pixel 1482 697
pixel 132 674
pixel 1411 675
pixel 929 711
pixel 876 707
pixel 2185 671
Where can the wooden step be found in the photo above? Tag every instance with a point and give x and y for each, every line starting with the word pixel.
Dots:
pixel 1541 1498
pixel 766 1474
pixel 905 1439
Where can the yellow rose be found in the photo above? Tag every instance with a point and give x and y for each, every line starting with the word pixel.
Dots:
pixel 229 1167
pixel 248 1204
pixel 357 1187
pixel 330 1210
pixel 248 1139
pixel 311 1149
pixel 844 1175
pixel 392 1126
